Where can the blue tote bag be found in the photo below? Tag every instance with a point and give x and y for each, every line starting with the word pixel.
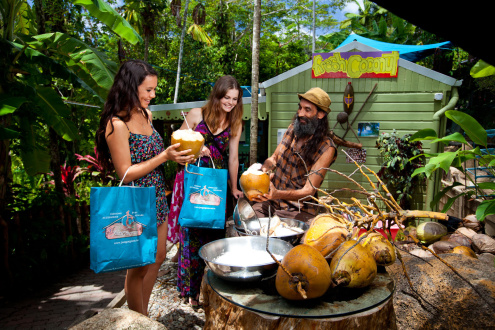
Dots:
pixel 205 192
pixel 123 231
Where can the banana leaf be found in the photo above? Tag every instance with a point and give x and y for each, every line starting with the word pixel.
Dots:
pixel 55 113
pixel 108 16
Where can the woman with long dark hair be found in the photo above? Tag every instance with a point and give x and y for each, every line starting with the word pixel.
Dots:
pixel 220 123
pixel 127 141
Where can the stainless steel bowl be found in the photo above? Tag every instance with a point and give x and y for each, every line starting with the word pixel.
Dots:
pixel 243 212
pixel 253 229
pixel 249 273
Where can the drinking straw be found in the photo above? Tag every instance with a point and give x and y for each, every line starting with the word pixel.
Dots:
pixel 183 115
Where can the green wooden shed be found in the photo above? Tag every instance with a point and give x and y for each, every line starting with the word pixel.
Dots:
pixel 416 99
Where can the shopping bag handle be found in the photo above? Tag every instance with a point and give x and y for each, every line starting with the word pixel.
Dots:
pixel 212 163
pixel 121 181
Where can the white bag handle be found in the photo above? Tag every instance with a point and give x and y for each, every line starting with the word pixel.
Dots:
pixel 197 164
pixel 121 181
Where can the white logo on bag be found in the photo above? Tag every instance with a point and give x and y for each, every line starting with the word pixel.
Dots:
pixel 204 196
pixel 125 226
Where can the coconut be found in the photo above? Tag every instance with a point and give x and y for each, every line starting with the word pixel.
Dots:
pixel 353 266
pixel 443 246
pixel 380 248
pixel 325 234
pixel 421 253
pixel 188 139
pixel 471 222
pixel 464 250
pixel 254 182
pixel 460 239
pixel 309 274
pixel 469 233
pixel 483 243
pixel 429 232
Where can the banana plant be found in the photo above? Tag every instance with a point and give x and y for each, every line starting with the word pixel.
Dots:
pixel 443 161
pixel 27 92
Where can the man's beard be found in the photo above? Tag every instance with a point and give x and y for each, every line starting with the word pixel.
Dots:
pixel 305 129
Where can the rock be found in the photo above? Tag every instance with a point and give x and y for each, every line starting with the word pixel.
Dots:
pixel 448 302
pixel 118 318
pixel 483 243
pixel 488 258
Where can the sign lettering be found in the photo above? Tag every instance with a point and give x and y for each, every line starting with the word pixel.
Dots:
pixel 355 65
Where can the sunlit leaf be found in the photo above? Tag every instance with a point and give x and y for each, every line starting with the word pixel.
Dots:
pixel 473 129
pixel 482 69
pixel 108 16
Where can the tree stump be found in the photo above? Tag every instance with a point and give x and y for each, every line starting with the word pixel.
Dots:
pixel 222 314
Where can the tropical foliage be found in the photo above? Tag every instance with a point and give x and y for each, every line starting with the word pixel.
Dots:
pixel 444 160
pixel 397 169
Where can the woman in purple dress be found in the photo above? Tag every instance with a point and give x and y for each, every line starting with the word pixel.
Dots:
pixel 127 141
pixel 220 123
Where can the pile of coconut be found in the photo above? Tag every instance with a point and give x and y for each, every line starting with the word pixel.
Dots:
pixel 468 240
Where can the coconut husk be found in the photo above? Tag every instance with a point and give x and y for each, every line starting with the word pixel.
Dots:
pixel 471 222
pixel 460 239
pixel 469 233
pixel 443 246
pixel 421 253
pixel 483 243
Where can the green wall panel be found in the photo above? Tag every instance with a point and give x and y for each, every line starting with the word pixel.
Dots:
pixel 405 103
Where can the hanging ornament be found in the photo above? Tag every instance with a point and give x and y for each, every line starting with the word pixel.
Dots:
pixel 348 98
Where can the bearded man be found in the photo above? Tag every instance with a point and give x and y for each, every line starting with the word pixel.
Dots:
pixel 305 148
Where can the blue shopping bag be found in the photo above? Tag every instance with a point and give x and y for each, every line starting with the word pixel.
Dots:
pixel 123 230
pixel 205 193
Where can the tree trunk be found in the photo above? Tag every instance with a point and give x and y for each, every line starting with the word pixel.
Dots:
pixel 5 180
pixel 253 150
pixel 146 47
pixel 177 82
pixel 222 314
pixel 57 176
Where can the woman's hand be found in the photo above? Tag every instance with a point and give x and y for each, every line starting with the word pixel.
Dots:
pixel 180 157
pixel 205 152
pixel 237 193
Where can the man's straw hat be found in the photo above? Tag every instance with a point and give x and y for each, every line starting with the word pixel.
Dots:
pixel 318 97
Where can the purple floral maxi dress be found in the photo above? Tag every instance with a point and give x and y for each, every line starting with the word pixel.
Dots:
pixel 191 266
pixel 144 147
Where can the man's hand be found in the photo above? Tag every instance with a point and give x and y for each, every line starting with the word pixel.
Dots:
pixel 272 194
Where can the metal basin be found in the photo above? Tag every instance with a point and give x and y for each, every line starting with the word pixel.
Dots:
pixel 253 229
pixel 243 212
pixel 250 270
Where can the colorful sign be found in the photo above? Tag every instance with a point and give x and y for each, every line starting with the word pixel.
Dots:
pixel 355 65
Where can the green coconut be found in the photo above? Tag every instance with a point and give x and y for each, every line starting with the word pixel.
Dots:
pixel 429 232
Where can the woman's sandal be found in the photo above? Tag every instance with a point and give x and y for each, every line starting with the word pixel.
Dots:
pixel 194 302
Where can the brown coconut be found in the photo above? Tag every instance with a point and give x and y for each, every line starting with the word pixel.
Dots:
pixel 254 182
pixel 460 239
pixel 325 234
pixel 309 274
pixel 353 266
pixel 483 243
pixel 471 222
pixel 443 246
pixel 188 139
